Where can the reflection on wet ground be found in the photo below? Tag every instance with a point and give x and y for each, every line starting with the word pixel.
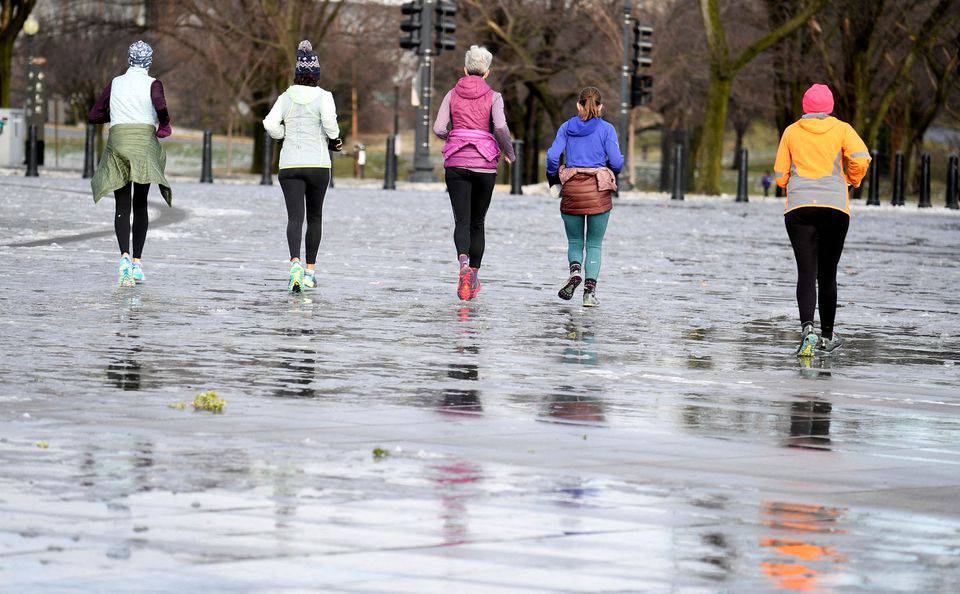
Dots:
pixel 667 442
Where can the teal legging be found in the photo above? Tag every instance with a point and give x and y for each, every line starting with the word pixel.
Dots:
pixel 592 227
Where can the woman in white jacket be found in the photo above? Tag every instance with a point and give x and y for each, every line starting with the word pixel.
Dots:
pixel 304 119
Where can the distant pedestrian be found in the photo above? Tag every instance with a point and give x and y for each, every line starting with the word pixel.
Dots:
pixel 585 186
pixel 810 165
pixel 471 154
pixel 766 181
pixel 136 109
pixel 304 119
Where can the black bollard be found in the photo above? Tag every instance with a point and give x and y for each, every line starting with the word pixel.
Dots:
pixel 924 201
pixel 677 173
pixel 32 151
pixel 390 164
pixel 89 147
pixel 898 181
pixel 873 192
pixel 266 164
pixel 953 183
pixel 206 169
pixel 516 169
pixel 742 193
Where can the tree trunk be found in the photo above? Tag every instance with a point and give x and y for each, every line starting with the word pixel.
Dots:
pixel 718 102
pixel 6 68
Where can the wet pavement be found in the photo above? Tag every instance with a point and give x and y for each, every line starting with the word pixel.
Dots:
pixel 666 442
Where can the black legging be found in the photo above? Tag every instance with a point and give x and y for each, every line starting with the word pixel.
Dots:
pixel 141 219
pixel 470 193
pixel 304 186
pixel 817 235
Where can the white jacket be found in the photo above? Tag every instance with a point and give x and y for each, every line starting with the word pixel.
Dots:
pixel 130 101
pixel 304 118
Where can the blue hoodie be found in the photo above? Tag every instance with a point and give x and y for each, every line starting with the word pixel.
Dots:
pixel 591 143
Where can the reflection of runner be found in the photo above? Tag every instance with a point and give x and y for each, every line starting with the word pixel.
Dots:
pixel 478 137
pixel 136 109
pixel 797 562
pixel 818 158
pixel 304 118
pixel 588 180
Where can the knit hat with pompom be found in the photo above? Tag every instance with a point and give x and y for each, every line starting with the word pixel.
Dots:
pixel 307 61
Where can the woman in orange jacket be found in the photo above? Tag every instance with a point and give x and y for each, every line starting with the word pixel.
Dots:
pixel 818 159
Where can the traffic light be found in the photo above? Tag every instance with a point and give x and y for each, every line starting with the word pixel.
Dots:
pixel 641 85
pixel 412 25
pixel 445 25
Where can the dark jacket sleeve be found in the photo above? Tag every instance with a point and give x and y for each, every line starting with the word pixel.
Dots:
pixel 100 112
pixel 160 104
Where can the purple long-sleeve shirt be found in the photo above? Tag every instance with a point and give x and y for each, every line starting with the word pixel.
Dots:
pixel 100 113
pixel 498 124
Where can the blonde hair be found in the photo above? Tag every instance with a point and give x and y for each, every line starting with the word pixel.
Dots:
pixel 591 102
pixel 477 60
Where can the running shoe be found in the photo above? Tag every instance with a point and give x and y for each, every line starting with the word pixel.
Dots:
pixel 590 298
pixel 808 341
pixel 475 285
pixel 576 277
pixel 463 284
pixel 310 279
pixel 296 278
pixel 125 273
pixel 137 273
pixel 826 346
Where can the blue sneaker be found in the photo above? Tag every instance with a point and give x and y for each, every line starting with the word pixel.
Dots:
pixel 310 279
pixel 125 273
pixel 297 273
pixel 808 342
pixel 137 273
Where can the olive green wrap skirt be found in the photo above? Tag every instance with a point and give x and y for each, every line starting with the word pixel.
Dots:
pixel 133 154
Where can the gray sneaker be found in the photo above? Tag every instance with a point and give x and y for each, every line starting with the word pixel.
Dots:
pixel 590 299
pixel 808 341
pixel 827 346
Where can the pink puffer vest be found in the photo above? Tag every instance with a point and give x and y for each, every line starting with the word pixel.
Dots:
pixel 473 146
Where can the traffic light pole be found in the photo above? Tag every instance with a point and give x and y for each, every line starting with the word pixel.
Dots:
pixel 422 166
pixel 625 70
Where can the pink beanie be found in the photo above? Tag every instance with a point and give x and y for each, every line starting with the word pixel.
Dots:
pixel 818 99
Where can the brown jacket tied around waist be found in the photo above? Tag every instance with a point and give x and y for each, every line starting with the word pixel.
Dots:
pixel 586 190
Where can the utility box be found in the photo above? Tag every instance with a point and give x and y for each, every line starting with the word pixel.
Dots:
pixel 13 137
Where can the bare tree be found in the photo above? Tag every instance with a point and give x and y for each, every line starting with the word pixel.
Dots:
pixel 13 13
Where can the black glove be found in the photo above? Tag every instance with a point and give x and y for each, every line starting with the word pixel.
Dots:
pixel 553 180
pixel 335 144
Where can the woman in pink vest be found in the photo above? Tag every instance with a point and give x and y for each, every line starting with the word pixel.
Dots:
pixel 472 152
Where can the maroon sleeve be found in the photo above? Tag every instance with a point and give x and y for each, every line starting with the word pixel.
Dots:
pixel 160 104
pixel 100 113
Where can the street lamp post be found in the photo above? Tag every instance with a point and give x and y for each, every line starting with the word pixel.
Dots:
pixel 627 30
pixel 33 106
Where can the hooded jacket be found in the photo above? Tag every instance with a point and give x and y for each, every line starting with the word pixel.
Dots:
pixel 304 118
pixel 819 156
pixel 479 132
pixel 591 143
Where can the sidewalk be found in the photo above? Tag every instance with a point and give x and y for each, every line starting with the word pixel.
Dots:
pixel 666 442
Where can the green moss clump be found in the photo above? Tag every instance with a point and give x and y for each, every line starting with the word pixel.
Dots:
pixel 209 401
pixel 380 453
pixel 178 405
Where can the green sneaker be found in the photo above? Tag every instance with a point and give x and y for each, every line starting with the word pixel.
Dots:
pixel 297 273
pixel 125 273
pixel 137 273
pixel 808 341
pixel 310 279
pixel 827 346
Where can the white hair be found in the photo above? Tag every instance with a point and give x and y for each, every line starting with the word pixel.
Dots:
pixel 478 60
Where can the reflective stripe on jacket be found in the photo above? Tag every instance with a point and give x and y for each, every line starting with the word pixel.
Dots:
pixel 819 156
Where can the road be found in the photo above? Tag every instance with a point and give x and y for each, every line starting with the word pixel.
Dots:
pixel 665 442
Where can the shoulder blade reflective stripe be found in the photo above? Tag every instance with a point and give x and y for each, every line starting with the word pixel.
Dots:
pixel 860 156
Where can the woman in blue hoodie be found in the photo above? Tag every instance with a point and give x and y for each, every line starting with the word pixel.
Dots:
pixel 585 185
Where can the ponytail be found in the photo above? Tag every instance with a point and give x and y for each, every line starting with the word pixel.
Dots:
pixel 590 101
